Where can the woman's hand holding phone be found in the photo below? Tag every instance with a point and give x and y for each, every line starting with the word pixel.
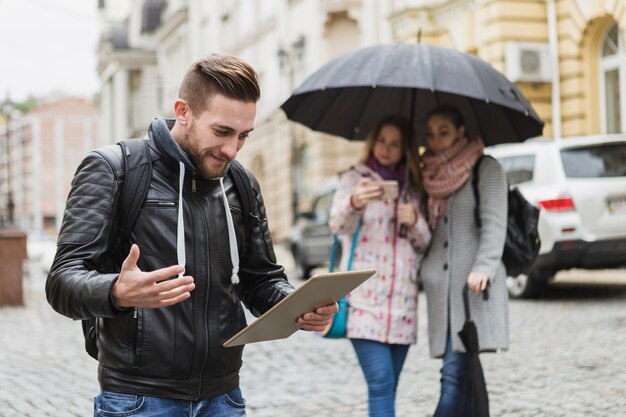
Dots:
pixel 390 190
pixel 365 191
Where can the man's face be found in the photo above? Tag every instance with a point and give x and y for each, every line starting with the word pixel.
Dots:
pixel 213 137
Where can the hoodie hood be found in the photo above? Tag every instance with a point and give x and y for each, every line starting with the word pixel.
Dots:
pixel 160 132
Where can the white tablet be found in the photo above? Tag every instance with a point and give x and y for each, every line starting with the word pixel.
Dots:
pixel 279 322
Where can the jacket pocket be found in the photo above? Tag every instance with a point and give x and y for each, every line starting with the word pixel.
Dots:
pixel 135 337
pixel 156 233
pixel 163 342
pixel 238 222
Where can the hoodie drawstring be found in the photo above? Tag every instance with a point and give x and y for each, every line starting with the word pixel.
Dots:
pixel 180 233
pixel 232 238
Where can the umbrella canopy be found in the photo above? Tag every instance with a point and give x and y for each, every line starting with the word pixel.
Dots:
pixel 351 93
pixel 478 386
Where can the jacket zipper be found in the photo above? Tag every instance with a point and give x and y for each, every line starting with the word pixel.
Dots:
pixel 198 206
pixel 135 337
pixel 208 281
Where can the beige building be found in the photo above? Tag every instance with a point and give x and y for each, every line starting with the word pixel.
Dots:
pixel 45 148
pixel 567 56
pixel 146 46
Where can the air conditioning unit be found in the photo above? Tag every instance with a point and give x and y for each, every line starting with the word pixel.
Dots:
pixel 527 62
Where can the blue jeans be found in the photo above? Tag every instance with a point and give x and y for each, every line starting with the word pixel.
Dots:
pixel 113 404
pixel 454 400
pixel 381 364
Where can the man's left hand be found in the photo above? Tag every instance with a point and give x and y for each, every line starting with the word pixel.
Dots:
pixel 317 320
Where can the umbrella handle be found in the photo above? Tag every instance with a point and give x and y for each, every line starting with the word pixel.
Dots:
pixel 466 302
pixel 404 230
pixel 466 299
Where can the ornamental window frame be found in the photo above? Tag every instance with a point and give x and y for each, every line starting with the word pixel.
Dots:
pixel 609 62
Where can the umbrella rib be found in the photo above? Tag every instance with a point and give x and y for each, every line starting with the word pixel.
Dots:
pixel 334 93
pixel 360 113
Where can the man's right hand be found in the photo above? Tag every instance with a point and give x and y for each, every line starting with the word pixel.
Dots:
pixel 154 289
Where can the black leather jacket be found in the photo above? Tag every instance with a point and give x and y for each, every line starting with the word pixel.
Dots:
pixel 177 351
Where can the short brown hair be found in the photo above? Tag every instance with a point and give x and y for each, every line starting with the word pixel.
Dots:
pixel 221 74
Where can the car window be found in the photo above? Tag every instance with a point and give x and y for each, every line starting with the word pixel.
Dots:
pixel 321 206
pixel 518 168
pixel 595 161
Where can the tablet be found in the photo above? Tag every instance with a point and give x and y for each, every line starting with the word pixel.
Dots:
pixel 279 322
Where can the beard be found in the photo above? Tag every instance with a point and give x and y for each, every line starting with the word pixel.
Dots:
pixel 200 160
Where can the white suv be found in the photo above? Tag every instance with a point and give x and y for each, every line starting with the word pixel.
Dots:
pixel 580 185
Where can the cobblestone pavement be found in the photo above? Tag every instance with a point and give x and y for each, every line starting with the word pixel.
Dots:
pixel 567 358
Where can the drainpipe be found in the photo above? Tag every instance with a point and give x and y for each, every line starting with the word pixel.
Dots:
pixel 554 68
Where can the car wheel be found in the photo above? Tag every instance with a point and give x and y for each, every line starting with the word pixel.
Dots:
pixel 526 286
pixel 302 271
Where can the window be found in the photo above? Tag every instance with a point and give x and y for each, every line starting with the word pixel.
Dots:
pixel 302 168
pixel 518 169
pixel 612 80
pixel 134 98
pixel 595 161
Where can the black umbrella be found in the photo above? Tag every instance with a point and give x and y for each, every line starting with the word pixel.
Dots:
pixel 478 386
pixel 351 93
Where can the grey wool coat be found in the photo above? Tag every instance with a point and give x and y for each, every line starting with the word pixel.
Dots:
pixel 457 248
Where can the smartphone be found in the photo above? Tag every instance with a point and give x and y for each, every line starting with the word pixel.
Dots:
pixel 390 190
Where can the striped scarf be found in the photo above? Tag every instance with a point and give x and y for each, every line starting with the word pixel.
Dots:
pixel 446 172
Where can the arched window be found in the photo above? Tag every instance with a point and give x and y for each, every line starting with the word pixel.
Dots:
pixel 612 82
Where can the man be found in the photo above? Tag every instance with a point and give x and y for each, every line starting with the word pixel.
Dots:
pixel 167 299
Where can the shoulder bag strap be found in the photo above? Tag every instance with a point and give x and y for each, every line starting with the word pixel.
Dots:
pixel 479 222
pixel 335 249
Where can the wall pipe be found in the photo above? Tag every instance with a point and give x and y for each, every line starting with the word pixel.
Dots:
pixel 554 69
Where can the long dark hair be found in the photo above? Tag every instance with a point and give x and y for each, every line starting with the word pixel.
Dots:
pixel 409 149
pixel 449 112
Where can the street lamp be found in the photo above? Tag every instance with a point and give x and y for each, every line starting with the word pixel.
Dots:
pixel 7 110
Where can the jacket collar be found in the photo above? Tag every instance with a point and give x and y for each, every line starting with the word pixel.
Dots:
pixel 159 132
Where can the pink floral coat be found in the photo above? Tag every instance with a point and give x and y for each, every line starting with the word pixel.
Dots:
pixel 383 308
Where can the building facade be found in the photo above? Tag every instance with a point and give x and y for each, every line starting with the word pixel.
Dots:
pixel 567 57
pixel 44 149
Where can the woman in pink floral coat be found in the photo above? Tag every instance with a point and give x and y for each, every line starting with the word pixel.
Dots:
pixel 382 317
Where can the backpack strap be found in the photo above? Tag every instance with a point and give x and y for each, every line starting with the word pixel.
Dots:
pixel 479 222
pixel 242 181
pixel 137 175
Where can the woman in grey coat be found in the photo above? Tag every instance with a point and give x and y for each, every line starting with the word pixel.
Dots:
pixel 461 253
